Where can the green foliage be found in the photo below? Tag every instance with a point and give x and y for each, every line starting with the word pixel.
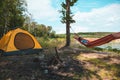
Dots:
pixel 11 13
pixel 98 49
pixel 63 6
pixel 109 48
pixel 73 2
pixel 1 31
pixel 67 16
pixel 40 30
pixel 60 35
pixel 52 34
pixel 49 42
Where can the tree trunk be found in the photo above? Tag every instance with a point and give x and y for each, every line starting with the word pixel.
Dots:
pixel 67 23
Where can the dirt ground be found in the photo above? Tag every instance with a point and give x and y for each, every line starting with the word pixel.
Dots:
pixel 76 64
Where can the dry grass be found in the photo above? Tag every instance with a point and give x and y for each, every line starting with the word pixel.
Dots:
pixel 106 66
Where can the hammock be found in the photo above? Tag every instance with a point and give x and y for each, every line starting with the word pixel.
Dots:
pixel 99 41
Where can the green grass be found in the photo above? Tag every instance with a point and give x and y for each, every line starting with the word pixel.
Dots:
pixel 50 42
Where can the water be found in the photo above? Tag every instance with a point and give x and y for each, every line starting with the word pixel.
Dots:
pixel 112 45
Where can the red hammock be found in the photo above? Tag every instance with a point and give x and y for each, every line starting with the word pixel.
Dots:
pixel 100 41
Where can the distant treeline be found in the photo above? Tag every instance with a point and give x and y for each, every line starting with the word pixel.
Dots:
pixel 87 34
pixel 94 34
pixel 40 30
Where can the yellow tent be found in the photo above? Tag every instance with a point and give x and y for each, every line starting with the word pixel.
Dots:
pixel 17 40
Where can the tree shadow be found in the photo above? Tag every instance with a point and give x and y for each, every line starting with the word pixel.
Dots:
pixel 74 70
pixel 107 64
pixel 24 68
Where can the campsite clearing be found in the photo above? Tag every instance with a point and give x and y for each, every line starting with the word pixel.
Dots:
pixel 79 65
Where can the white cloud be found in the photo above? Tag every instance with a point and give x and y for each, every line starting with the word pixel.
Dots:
pixel 100 19
pixel 42 10
pixel 78 28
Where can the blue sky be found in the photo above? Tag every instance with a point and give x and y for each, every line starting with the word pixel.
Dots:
pixel 90 15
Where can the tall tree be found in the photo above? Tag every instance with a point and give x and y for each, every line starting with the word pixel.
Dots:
pixel 67 17
pixel 12 13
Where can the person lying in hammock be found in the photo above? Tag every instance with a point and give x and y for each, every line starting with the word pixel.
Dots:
pixel 81 40
pixel 99 41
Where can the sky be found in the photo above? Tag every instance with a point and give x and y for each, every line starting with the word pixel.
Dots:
pixel 90 15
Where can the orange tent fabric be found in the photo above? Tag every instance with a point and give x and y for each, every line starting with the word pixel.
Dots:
pixel 18 39
pixel 100 41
